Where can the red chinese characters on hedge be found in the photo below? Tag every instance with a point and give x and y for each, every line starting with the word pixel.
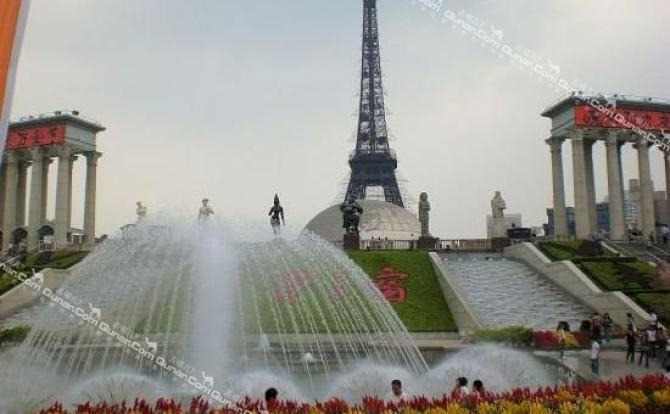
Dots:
pixel 288 286
pixel 392 284
pixel 36 136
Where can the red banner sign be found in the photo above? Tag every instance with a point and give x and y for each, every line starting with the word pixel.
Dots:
pixel 35 136
pixel 588 116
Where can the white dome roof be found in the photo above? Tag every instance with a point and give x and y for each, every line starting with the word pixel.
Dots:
pixel 379 219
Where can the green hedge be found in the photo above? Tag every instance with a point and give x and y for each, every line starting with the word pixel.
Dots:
pixel 619 276
pixel 659 302
pixel 425 308
pixel 15 334
pixel 39 261
pixel 509 334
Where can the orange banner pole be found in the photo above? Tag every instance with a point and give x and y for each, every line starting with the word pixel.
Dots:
pixel 12 22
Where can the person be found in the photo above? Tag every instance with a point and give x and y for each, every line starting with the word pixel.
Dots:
pixel 651 341
pixel 607 326
pixel 396 394
pixel 595 355
pixel 630 322
pixel 596 325
pixel 461 388
pixel 653 319
pixel 271 398
pixel 643 349
pixel 560 329
pixel 662 344
pixel 478 388
pixel 630 343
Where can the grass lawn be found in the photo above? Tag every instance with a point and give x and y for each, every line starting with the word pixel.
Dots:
pixel 425 308
pixel 46 260
pixel 659 302
pixel 560 250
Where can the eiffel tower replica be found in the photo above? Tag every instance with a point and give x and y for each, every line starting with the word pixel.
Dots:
pixel 372 163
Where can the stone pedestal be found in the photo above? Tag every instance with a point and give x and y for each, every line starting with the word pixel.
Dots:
pixel 351 242
pixel 499 243
pixel 427 243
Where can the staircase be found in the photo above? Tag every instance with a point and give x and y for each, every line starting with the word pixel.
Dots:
pixel 648 252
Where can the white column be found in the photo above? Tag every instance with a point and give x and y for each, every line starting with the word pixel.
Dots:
pixel 20 208
pixel 63 189
pixel 666 161
pixel 45 188
pixel 583 184
pixel 3 168
pixel 89 198
pixel 36 191
pixel 11 189
pixel 69 192
pixel 590 181
pixel 647 218
pixel 615 186
pixel 560 215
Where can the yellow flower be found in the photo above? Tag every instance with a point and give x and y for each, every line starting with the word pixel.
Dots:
pixel 486 408
pixel 635 399
pixel 661 397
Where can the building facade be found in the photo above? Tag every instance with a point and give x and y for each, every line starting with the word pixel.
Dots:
pixel 34 143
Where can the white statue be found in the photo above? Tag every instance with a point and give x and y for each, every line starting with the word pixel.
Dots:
pixel 497 211
pixel 141 212
pixel 205 211
pixel 497 205
pixel 424 213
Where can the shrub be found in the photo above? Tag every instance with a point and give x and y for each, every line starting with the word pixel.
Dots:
pixel 509 334
pixel 15 334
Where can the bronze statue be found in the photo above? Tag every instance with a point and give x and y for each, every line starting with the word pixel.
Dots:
pixel 276 213
pixel 351 215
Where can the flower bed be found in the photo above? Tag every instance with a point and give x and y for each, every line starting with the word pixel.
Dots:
pixel 549 340
pixel 649 395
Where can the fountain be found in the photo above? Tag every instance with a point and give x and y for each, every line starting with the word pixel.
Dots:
pixel 181 309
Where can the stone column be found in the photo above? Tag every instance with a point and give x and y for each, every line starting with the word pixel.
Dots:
pixel 647 218
pixel 11 190
pixel 45 188
pixel 590 180
pixel 36 191
pixel 3 168
pixel 666 161
pixel 582 165
pixel 63 188
pixel 89 198
pixel 560 215
pixel 615 186
pixel 69 192
pixel 21 194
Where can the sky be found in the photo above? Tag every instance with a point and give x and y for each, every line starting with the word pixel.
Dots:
pixel 237 100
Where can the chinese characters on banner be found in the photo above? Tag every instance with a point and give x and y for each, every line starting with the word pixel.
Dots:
pixel 36 136
pixel 585 115
pixel 392 284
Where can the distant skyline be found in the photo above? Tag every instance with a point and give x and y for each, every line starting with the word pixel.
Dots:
pixel 235 101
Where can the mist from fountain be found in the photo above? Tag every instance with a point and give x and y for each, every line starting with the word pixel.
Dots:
pixel 235 317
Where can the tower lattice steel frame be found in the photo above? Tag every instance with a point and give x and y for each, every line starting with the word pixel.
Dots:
pixel 372 163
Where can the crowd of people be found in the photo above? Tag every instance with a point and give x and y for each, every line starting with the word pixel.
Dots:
pixel 460 389
pixel 650 343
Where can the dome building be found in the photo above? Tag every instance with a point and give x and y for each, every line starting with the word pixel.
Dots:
pixel 379 219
